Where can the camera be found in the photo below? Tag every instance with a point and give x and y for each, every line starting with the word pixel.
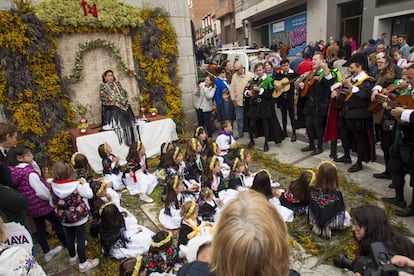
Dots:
pixel 377 264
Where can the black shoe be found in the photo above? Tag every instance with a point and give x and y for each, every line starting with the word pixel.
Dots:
pixel 383 175
pixel 316 152
pixel 394 201
pixel 391 186
pixel 293 139
pixel 251 144
pixel 343 159
pixel 406 212
pixel 308 148
pixel 355 168
pixel 333 155
pixel 266 147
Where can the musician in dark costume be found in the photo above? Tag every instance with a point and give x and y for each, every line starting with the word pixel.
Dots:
pixel 261 109
pixel 317 103
pixel 384 122
pixel 355 121
pixel 401 159
pixel 286 100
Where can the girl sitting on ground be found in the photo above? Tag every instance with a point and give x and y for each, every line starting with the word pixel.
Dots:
pixel 176 166
pixel 83 168
pixel 122 238
pixel 169 216
pixel 201 135
pixel 137 177
pixel 111 167
pixel 244 156
pixel 261 184
pixel 208 204
pixel 193 161
pixel 327 207
pixel 296 196
pixel 237 175
pixel 212 176
pixel 162 256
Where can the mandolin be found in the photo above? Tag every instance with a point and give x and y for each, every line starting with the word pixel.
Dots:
pixel 376 106
pixel 285 86
pixel 405 101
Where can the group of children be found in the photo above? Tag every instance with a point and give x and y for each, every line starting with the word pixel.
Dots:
pixel 196 186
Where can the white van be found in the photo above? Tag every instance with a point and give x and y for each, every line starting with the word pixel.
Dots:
pixel 244 56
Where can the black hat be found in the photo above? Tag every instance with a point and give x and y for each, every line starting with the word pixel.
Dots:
pixel 358 58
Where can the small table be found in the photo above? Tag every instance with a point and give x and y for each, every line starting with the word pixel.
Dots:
pixel 157 130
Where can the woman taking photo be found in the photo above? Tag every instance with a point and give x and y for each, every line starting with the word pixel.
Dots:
pixel 370 224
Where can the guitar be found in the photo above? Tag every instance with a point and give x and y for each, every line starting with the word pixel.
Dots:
pixel 376 106
pixel 257 82
pixel 405 101
pixel 285 86
pixel 310 81
pixel 343 95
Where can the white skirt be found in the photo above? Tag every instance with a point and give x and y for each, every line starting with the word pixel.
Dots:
pixel 116 180
pixel 145 183
pixel 140 239
pixel 170 222
pixel 285 213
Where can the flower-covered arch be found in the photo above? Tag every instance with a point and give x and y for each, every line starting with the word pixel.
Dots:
pixel 34 93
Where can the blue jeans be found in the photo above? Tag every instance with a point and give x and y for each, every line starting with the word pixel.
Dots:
pixel 239 118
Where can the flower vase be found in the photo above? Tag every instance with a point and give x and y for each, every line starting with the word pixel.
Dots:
pixel 83 125
pixel 142 111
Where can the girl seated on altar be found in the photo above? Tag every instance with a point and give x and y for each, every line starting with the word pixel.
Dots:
pixel 111 171
pixel 117 113
pixel 122 237
pixel 137 177
pixel 245 156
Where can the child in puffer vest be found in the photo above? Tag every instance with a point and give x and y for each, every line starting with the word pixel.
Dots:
pixel 70 198
pixel 29 182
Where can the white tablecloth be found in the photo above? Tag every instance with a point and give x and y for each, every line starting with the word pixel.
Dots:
pixel 153 134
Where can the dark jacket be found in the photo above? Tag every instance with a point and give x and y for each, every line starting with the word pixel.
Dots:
pixel 221 112
pixel 195 268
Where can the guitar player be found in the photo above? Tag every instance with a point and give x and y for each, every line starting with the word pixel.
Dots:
pixel 317 102
pixel 286 100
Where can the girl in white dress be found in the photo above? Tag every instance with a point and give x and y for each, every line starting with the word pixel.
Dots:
pixel 137 177
pixel 111 168
pixel 122 237
pixel 169 216
pixel 261 184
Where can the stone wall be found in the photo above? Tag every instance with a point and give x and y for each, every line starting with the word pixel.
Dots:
pixel 94 62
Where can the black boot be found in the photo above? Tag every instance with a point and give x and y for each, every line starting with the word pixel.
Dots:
pixel 293 139
pixel 251 144
pixel 265 147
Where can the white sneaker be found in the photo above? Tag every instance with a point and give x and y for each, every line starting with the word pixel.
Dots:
pixel 52 253
pixel 88 265
pixel 145 198
pixel 74 260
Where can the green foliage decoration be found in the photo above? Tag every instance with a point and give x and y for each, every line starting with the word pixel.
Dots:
pixel 110 14
pixel 93 44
